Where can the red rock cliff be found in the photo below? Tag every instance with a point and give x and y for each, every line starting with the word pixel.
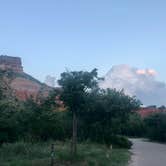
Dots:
pixel 11 63
pixel 23 85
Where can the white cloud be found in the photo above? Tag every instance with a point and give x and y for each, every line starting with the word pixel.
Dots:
pixel 137 82
pixel 146 72
pixel 50 81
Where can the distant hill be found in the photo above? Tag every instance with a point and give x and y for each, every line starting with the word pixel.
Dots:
pixel 22 84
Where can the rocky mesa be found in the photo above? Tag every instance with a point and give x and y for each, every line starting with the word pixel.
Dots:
pixel 23 85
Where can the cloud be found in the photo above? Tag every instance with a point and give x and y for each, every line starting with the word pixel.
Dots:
pixel 141 71
pixel 50 81
pixel 136 82
pixel 151 72
pixel 146 72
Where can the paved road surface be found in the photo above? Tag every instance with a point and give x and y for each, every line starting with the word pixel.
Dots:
pixel 148 153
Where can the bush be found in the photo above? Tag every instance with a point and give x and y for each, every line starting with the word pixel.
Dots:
pixel 45 125
pixel 9 126
pixel 156 127
pixel 121 141
pixel 134 127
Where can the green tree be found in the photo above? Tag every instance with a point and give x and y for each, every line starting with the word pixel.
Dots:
pixel 107 112
pixel 135 126
pixel 41 119
pixel 9 106
pixel 156 126
pixel 75 88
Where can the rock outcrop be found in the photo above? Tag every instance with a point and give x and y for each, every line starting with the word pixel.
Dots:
pixel 147 111
pixel 23 85
pixel 11 63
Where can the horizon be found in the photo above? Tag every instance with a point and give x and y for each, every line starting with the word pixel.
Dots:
pixel 141 83
pixel 52 36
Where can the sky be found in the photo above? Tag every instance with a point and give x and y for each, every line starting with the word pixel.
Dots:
pixel 54 35
pixel 141 83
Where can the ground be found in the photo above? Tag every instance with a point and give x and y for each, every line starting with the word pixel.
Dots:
pixel 38 154
pixel 147 153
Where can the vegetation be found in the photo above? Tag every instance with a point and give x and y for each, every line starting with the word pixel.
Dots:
pixel 156 127
pixel 76 86
pixel 106 114
pixel 152 127
pixel 28 154
pixel 100 116
pixel 135 126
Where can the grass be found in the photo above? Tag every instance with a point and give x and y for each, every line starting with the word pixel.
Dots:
pixel 38 154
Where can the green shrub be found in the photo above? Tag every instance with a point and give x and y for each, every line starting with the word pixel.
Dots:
pixel 156 127
pixel 120 141
pixel 134 127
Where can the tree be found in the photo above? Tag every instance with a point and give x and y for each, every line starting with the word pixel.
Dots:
pixel 135 126
pixel 156 126
pixel 106 115
pixel 40 119
pixel 9 106
pixel 76 85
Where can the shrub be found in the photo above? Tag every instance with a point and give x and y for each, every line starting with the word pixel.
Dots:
pixel 156 127
pixel 121 141
pixel 134 127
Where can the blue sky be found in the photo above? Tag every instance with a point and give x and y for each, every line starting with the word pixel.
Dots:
pixel 51 35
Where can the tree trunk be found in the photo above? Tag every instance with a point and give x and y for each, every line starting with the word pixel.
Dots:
pixel 52 154
pixel 74 139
